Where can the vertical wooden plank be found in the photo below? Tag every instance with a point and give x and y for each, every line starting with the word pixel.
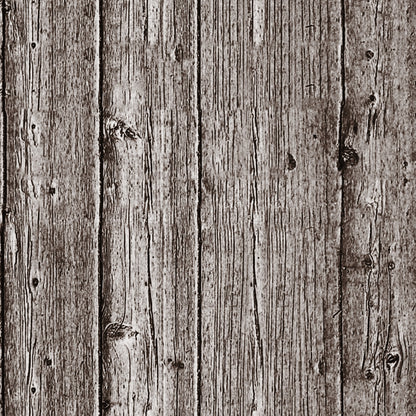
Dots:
pixel 271 207
pixel 51 268
pixel 378 130
pixel 2 157
pixel 149 222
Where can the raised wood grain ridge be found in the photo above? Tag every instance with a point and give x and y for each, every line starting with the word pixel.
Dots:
pixel 207 207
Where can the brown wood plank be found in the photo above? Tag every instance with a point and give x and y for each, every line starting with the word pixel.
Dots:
pixel 51 256
pixel 271 207
pixel 378 128
pixel 149 212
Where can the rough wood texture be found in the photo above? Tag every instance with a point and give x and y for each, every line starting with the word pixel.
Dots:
pixel 271 207
pixel 149 217
pixel 379 226
pixel 51 270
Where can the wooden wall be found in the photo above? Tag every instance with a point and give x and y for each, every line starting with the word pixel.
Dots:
pixel 208 207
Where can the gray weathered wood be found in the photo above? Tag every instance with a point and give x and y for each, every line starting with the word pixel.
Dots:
pixel 149 221
pixel 271 207
pixel 51 268
pixel 379 318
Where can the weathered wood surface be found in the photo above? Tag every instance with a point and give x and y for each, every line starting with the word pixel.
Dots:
pixel 207 207
pixel 50 356
pixel 150 198
pixel 378 270
pixel 271 201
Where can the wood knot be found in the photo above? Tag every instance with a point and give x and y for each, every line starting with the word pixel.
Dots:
pixel 391 266
pixel 392 359
pixel 179 365
pixel 369 374
pixel 48 361
pixel 291 162
pixel 179 53
pixel 116 331
pixel 349 157
pixel 118 130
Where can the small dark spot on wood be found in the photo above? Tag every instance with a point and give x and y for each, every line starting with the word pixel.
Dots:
pixel 369 375
pixel 33 126
pixel 169 360
pixel 315 136
pixel 321 366
pixel 130 134
pixel 33 390
pixel 355 127
pixel 368 262
pixel 33 45
pixel 369 54
pixel 405 164
pixel 35 281
pixel 179 53
pixel 372 98
pixel 52 191
pixel 349 157
pixel 405 181
pixel 291 162
pixel 105 405
pixel 391 265
pixel 48 361
pixel 178 364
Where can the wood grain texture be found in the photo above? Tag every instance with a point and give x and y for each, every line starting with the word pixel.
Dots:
pixel 150 200
pixel 378 132
pixel 51 268
pixel 271 207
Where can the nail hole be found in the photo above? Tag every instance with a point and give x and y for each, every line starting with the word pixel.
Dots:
pixel 52 191
pixel 48 361
pixel 391 265
pixel 33 45
pixel 291 162
pixel 33 126
pixel 33 390
pixel 369 54
pixel 35 281
pixel 372 98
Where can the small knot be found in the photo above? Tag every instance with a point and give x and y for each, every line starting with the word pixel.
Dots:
pixel 48 361
pixel 369 375
pixel 349 157
pixel 291 162
pixel 179 53
pixel 373 98
pixel 391 265
pixel 392 359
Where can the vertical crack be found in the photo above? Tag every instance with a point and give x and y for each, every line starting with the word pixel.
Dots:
pixel 198 283
pixel 340 166
pixel 4 9
pixel 101 204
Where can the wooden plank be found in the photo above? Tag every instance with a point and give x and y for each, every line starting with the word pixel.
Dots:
pixel 51 256
pixel 378 130
pixel 271 207
pixel 149 223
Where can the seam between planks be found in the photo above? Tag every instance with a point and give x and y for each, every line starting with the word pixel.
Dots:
pixel 340 166
pixel 198 283
pixel 101 203
pixel 4 202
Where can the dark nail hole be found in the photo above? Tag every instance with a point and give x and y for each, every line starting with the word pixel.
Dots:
pixel 369 375
pixel 35 281
pixel 391 265
pixel 33 126
pixel 372 98
pixel 369 54
pixel 33 45
pixel 405 164
pixel 52 191
pixel 292 162
pixel 33 390
pixel 315 136
pixel 368 262
pixel 48 361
